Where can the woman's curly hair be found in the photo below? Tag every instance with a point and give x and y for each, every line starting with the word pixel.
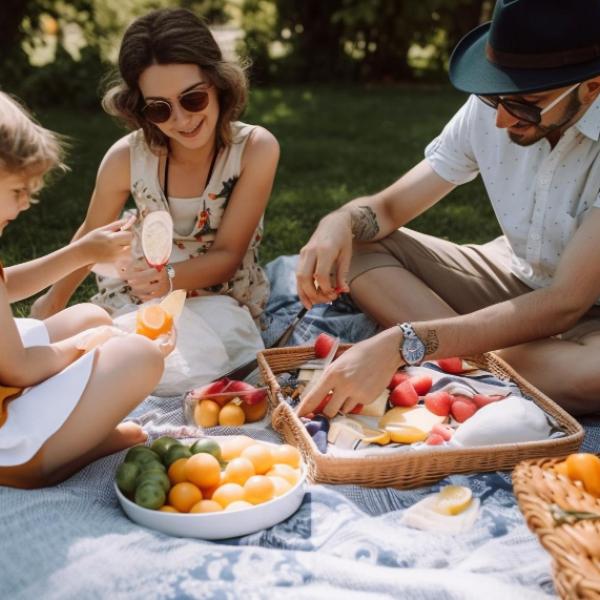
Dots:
pixel 173 36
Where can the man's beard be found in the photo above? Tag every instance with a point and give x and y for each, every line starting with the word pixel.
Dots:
pixel 542 131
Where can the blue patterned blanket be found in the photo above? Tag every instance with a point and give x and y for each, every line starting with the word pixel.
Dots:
pixel 73 540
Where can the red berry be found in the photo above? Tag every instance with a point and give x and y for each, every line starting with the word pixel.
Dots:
pixel 451 365
pixel 323 345
pixel 404 394
pixel 434 439
pixel 421 383
pixel 397 378
pixel 323 404
pixel 481 400
pixel 438 403
pixel 463 410
pixel 442 430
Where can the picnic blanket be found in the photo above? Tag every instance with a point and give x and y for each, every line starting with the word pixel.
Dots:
pixel 73 541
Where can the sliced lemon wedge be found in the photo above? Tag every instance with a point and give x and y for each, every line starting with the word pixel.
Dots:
pixel 405 434
pixel 379 437
pixel 453 499
pixel 174 302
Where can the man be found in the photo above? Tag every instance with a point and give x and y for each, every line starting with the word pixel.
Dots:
pixel 531 129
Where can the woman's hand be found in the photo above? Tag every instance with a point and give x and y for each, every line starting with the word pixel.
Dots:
pixel 327 253
pixel 146 282
pixel 110 243
pixel 358 376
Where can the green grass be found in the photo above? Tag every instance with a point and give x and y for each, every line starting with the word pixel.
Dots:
pixel 336 143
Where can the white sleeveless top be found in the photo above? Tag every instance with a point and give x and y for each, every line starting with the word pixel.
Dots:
pixel 249 285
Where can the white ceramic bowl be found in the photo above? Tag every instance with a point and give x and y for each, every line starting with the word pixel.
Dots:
pixel 218 525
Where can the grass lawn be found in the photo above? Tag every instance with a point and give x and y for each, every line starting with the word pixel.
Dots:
pixel 336 143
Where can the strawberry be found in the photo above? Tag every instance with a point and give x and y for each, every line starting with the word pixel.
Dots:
pixel 434 439
pixel 421 383
pixel 323 404
pixel 481 400
pixel 463 409
pixel 397 378
pixel 404 394
pixel 451 365
pixel 323 345
pixel 438 403
pixel 443 431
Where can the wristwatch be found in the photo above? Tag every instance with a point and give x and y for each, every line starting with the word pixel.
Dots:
pixel 170 269
pixel 412 348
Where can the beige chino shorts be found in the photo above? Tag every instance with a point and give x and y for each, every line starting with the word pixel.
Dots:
pixel 467 277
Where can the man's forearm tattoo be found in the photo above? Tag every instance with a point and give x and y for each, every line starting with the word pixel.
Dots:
pixel 431 342
pixel 363 221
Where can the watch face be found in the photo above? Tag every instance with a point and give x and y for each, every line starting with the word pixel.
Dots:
pixel 413 350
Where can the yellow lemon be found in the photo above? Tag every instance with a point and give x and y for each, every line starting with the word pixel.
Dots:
pixel 453 499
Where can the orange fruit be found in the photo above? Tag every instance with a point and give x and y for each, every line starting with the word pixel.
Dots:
pixel 203 470
pixel 206 506
pixel 258 489
pixel 255 412
pixel 260 456
pixel 206 413
pixel 183 496
pixel 239 505
pixel 152 321
pixel 561 468
pixel 228 493
pixel 585 467
pixel 286 472
pixel 280 484
pixel 287 455
pixel 167 508
pixel 232 447
pixel 231 415
pixel 239 470
pixel 176 471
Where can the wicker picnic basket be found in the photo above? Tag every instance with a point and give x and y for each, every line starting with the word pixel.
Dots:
pixel 575 548
pixel 408 469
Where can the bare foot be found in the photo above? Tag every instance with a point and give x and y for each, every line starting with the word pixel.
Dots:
pixel 124 435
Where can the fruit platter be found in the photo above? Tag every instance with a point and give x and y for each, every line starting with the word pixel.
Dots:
pixel 210 488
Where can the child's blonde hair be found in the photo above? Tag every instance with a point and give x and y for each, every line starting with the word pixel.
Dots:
pixel 25 146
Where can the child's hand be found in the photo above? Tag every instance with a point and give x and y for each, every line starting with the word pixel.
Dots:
pixel 96 336
pixel 110 243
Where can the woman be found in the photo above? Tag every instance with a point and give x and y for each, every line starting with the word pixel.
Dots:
pixel 188 154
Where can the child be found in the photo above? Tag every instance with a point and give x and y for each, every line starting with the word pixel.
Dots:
pixel 61 399
pixel 189 155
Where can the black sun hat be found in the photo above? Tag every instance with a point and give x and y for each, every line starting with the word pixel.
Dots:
pixel 529 46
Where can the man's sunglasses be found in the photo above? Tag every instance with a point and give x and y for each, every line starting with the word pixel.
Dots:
pixel 531 113
pixel 159 111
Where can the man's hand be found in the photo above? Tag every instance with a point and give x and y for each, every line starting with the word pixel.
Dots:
pixel 358 376
pixel 327 254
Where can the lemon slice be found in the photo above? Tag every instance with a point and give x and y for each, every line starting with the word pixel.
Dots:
pixel 405 434
pixel 173 303
pixel 376 436
pixel 453 499
pixel 157 237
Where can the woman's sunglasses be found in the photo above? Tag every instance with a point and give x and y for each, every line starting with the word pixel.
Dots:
pixel 531 113
pixel 159 111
